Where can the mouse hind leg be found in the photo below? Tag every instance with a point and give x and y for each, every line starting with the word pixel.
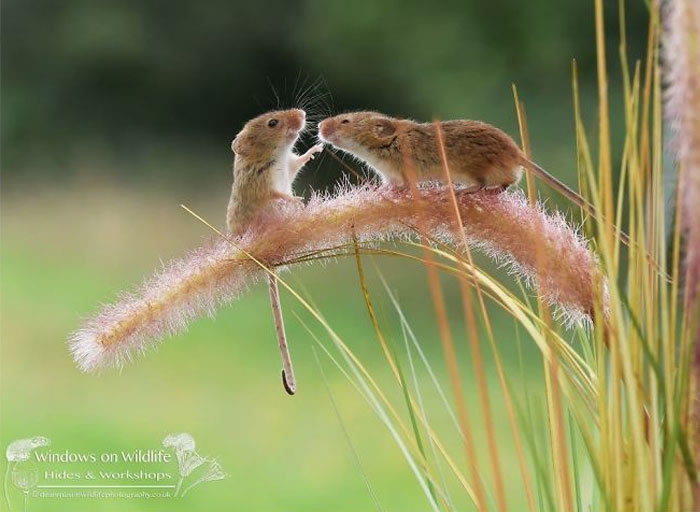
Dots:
pixel 501 179
pixel 468 184
pixel 480 184
pixel 500 187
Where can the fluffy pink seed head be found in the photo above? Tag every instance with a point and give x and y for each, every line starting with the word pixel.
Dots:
pixel 682 75
pixel 505 226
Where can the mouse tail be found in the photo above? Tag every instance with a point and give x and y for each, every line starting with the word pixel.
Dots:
pixel 288 379
pixel 561 187
pixel 570 194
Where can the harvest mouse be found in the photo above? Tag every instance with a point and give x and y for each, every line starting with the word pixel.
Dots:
pixel 479 155
pixel 264 169
pixel 265 164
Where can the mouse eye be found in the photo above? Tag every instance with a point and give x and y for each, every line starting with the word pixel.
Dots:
pixel 272 123
pixel 345 121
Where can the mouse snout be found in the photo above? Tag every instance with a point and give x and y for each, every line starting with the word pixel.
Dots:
pixel 297 119
pixel 326 128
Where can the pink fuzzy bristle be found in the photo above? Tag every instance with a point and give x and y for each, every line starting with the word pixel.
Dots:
pixel 682 75
pixel 504 226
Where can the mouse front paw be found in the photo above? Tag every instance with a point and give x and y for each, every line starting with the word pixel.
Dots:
pixel 311 153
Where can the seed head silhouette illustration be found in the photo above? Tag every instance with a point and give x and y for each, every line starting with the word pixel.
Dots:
pixel 193 468
pixel 21 468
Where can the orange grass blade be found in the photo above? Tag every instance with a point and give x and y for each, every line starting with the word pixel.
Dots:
pixel 552 366
pixel 473 334
pixel 449 352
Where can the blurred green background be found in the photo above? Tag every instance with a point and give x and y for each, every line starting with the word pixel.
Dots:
pixel 115 113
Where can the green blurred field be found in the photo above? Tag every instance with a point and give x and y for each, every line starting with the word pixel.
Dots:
pixel 65 252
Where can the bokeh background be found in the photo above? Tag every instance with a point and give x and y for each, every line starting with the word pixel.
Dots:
pixel 115 113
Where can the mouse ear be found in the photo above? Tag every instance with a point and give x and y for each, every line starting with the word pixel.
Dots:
pixel 237 145
pixel 384 127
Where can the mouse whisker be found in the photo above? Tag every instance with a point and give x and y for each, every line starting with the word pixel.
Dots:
pixel 345 165
pixel 274 92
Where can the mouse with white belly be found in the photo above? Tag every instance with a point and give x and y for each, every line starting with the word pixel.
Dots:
pixel 265 164
pixel 264 168
pixel 479 156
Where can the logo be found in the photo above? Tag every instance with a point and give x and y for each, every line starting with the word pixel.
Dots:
pixel 170 469
pixel 21 468
pixel 193 468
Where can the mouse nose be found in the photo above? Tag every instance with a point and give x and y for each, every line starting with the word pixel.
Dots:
pixel 299 118
pixel 326 128
pixel 300 114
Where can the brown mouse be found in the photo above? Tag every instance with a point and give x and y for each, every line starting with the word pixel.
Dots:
pixel 479 155
pixel 264 169
pixel 265 164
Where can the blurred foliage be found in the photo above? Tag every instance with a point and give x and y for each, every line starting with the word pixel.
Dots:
pixel 130 83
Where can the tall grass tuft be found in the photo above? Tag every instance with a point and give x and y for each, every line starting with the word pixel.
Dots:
pixel 619 424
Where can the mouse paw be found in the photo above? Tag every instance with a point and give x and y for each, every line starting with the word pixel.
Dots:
pixel 310 154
